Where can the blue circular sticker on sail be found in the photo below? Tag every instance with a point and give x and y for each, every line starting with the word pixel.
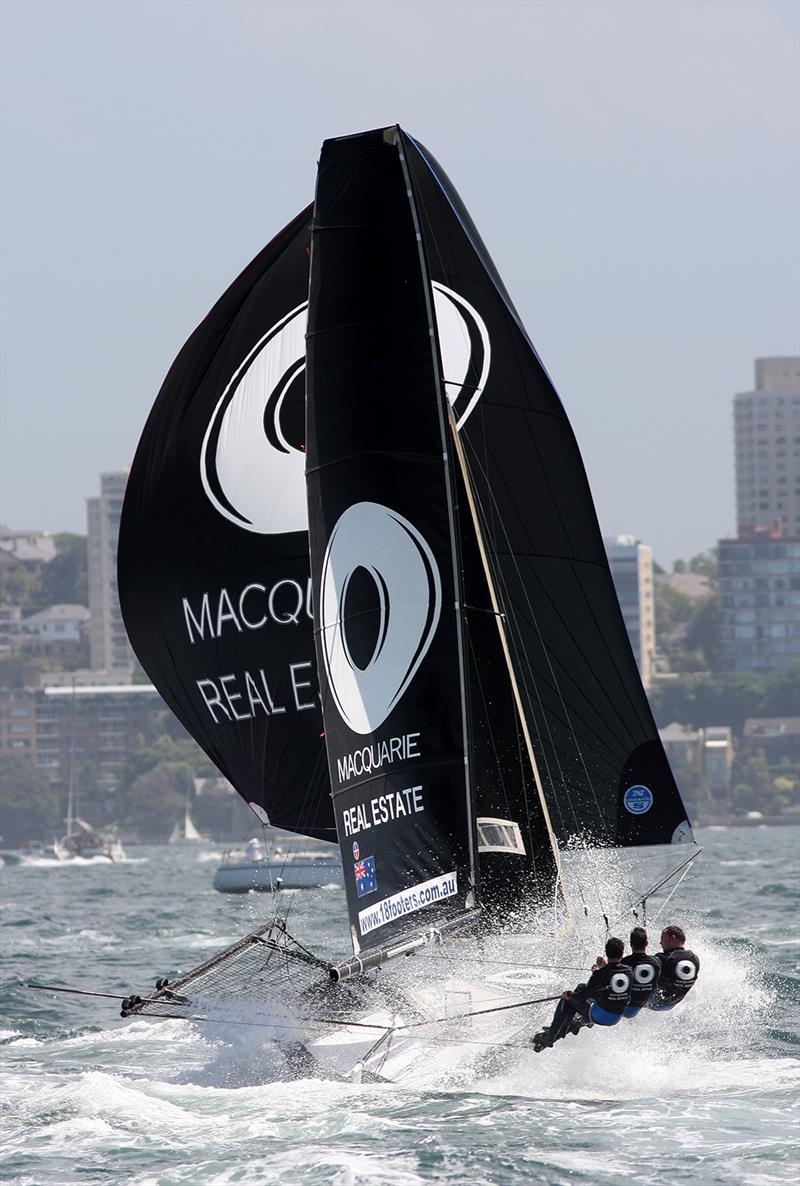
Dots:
pixel 638 800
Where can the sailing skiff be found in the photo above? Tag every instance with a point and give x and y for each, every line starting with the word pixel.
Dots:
pixel 360 560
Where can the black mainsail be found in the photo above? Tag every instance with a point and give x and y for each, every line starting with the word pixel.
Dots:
pixel 384 558
pixel 213 548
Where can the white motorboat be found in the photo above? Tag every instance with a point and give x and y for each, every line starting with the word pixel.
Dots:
pixel 239 872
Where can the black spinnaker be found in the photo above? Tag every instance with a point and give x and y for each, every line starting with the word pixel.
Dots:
pixel 213 548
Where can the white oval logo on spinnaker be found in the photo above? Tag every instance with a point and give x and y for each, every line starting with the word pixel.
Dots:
pixel 250 470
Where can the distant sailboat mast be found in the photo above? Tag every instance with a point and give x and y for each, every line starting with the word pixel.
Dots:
pixel 71 765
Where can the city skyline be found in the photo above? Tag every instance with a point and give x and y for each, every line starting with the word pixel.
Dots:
pixel 632 169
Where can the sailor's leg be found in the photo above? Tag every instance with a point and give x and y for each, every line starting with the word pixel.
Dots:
pixel 600 1016
pixel 661 1006
pixel 562 1020
pixel 581 1013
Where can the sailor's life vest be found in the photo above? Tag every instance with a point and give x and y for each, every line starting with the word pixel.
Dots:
pixel 610 988
pixel 679 971
pixel 645 973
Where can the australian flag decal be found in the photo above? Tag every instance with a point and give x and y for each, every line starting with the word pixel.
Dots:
pixel 366 881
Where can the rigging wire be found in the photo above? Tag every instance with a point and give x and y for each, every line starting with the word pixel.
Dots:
pixel 685 864
pixel 341 1023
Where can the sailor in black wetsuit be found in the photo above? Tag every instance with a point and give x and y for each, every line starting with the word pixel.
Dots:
pixel 679 970
pixel 646 970
pixel 601 1001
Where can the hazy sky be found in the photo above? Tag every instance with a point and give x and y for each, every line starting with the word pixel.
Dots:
pixel 632 167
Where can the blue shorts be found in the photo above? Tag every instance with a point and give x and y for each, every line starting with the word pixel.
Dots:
pixel 662 1006
pixel 601 1016
pixel 633 1011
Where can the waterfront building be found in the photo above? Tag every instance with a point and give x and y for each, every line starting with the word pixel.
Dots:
pixel 767 436
pixel 683 745
pixel 10 619
pixel 777 737
pixel 24 556
pixel 109 648
pixel 702 761
pixel 718 762
pixel 57 629
pixel 759 591
pixel 28 547
pixel 85 732
pixel 18 710
pixel 631 564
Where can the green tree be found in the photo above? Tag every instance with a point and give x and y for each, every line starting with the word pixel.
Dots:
pixel 212 811
pixel 727 698
pixel 162 766
pixel 688 629
pixel 15 583
pixel 65 579
pixel 705 563
pixel 703 634
pixel 157 799
pixel 756 789
pixel 694 791
pixel 28 805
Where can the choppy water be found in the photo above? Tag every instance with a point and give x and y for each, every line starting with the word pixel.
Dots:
pixel 703 1095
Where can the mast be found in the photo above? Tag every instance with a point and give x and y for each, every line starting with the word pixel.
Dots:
pixel 71 769
pixel 441 403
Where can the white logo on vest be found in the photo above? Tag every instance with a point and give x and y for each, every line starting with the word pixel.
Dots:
pixel 620 982
pixel 408 597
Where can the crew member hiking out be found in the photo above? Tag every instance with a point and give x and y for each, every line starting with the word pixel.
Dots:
pixel 679 970
pixel 645 970
pixel 601 1001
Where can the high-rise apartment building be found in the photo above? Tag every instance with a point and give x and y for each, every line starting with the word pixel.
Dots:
pixel 631 565
pixel 759 571
pixel 108 643
pixel 767 432
pixel 759 595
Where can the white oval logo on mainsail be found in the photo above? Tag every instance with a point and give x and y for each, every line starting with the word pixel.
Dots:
pixel 252 469
pixel 372 543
